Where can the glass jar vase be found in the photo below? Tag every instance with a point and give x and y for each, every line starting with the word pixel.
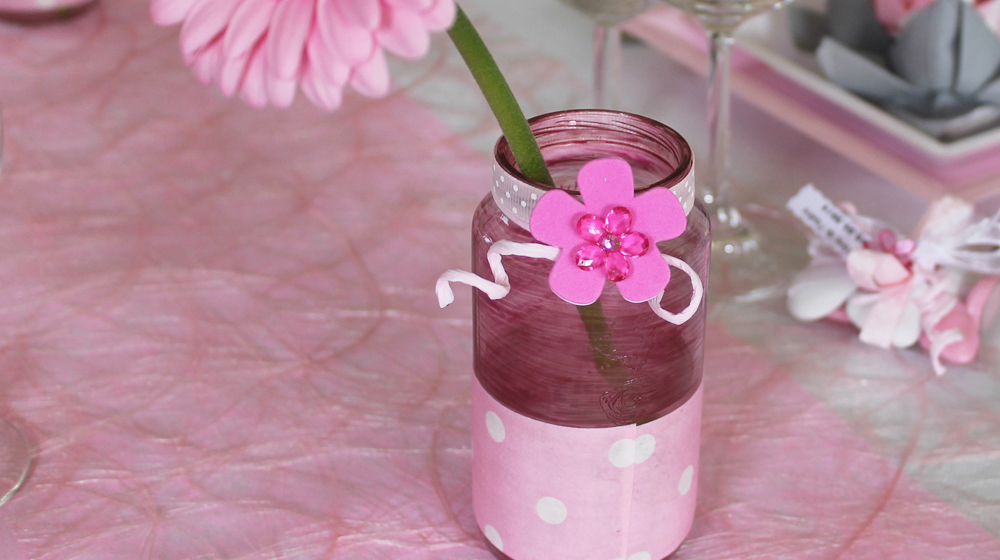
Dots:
pixel 586 418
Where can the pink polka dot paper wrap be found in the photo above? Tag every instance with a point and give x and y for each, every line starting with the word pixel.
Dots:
pixel 547 492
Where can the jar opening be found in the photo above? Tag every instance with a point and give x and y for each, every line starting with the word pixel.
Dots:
pixel 659 155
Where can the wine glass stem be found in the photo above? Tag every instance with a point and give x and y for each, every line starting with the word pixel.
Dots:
pixel 715 191
pixel 607 66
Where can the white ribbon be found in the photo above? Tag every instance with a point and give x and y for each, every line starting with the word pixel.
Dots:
pixel 975 248
pixel 697 291
pixel 500 286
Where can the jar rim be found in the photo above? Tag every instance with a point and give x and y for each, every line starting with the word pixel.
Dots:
pixel 658 131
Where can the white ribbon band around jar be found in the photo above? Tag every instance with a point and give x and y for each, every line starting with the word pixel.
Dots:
pixel 517 199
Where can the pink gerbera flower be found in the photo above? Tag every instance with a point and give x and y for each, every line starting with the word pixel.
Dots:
pixel 612 235
pixel 265 49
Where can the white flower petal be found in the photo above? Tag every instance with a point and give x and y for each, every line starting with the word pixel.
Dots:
pixel 819 290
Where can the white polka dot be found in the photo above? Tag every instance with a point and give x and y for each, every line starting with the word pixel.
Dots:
pixel 641 556
pixel 684 486
pixel 551 510
pixel 495 427
pixel 524 204
pixel 644 446
pixel 501 179
pixel 622 453
pixel 507 193
pixel 534 196
pixel 515 210
pixel 514 187
pixel 493 536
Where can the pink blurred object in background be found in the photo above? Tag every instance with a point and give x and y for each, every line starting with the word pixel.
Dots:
pixel 38 11
pixel 894 13
pixel 264 49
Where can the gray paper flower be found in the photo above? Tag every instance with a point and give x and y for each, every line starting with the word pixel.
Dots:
pixel 940 73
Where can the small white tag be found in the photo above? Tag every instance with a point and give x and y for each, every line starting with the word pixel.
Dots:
pixel 832 226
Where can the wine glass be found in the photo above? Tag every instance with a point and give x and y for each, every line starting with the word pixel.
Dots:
pixel 740 267
pixel 15 453
pixel 608 15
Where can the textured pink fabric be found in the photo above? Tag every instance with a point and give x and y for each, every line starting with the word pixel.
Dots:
pixel 218 327
pixel 550 492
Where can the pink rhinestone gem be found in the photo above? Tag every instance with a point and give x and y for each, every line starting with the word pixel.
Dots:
pixel 634 244
pixel 590 257
pixel 617 267
pixel 618 221
pixel 590 228
pixel 610 243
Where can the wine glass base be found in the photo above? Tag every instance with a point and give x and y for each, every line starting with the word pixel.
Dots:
pixel 15 460
pixel 753 256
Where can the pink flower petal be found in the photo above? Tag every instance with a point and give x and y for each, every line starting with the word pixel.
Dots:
pixel 247 26
pixel 571 283
pixel 253 86
pixel 371 78
pixel 604 184
pixel 441 16
pixel 280 92
pixel 403 34
pixel 207 19
pixel 170 12
pixel 286 37
pixel 419 5
pixel 326 65
pixel 354 43
pixel 321 94
pixel 554 219
pixel 658 215
pixel 875 270
pixel 207 62
pixel 361 13
pixel 232 71
pixel 649 276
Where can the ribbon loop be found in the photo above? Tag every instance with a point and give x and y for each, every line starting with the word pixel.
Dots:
pixel 500 286
pixel 697 289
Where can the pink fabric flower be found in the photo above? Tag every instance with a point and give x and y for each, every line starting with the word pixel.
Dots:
pixel 895 13
pixel 611 236
pixel 265 49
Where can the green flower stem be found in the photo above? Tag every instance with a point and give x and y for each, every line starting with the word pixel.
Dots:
pixel 501 100
pixel 529 160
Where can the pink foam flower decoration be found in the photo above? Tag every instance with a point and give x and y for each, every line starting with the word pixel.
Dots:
pixel 267 49
pixel 610 236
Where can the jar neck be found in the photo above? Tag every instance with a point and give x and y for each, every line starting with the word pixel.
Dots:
pixel 659 156
pixel 517 198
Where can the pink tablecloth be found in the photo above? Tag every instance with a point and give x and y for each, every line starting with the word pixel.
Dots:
pixel 217 327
